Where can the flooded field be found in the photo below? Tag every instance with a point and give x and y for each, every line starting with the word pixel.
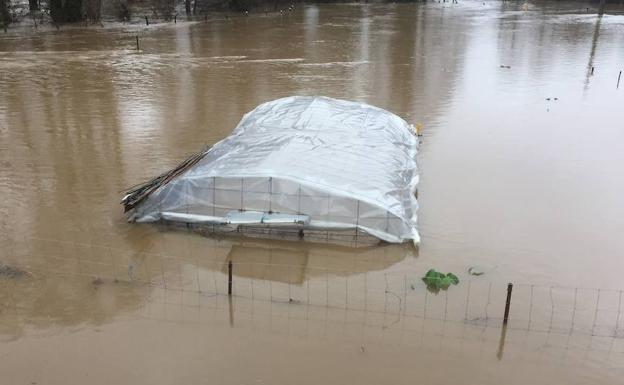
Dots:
pixel 521 174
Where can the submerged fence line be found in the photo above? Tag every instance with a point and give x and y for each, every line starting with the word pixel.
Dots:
pixel 475 301
pixel 156 254
pixel 372 326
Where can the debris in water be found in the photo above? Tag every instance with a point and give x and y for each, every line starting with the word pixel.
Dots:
pixel 436 280
pixel 476 270
pixel 138 193
pixel 418 128
pixel 12 272
pixel 131 272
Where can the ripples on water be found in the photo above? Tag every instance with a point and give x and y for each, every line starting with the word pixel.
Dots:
pixel 509 178
pixel 529 186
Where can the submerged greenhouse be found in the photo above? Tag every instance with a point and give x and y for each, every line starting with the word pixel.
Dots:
pixel 296 163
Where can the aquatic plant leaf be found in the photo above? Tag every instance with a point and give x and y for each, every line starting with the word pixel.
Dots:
pixel 436 280
pixel 432 282
pixel 445 283
pixel 453 278
pixel 432 274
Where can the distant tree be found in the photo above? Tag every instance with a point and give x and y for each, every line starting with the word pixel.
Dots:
pixel 163 8
pixel 66 11
pixel 33 5
pixel 92 9
pixel 5 16
pixel 121 9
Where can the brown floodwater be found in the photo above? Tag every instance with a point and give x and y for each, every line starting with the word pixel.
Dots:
pixel 521 175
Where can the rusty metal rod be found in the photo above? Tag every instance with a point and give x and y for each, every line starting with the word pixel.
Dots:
pixel 507 303
pixel 229 277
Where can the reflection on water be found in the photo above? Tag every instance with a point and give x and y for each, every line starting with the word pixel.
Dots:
pixel 520 162
pixel 519 165
pixel 67 283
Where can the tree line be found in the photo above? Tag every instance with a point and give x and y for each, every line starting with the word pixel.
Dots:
pixel 71 11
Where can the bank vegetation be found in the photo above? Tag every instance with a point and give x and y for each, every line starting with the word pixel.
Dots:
pixel 59 12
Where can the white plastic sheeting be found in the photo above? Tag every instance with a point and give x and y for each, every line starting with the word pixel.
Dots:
pixel 339 164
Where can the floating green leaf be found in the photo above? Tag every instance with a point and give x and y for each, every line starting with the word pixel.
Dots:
pixel 433 274
pixel 453 277
pixel 436 280
pixel 445 283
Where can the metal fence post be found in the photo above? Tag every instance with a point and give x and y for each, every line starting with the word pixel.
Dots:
pixel 508 303
pixel 230 278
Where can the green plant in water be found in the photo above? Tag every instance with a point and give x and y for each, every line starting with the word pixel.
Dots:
pixel 436 280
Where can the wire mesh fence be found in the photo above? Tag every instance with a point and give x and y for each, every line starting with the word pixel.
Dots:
pixel 286 277
pixel 370 329
pixel 300 210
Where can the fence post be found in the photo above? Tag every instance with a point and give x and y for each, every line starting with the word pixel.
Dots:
pixel 508 303
pixel 230 278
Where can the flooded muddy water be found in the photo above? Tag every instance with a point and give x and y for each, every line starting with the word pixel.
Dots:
pixel 521 174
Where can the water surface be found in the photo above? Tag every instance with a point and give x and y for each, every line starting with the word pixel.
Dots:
pixel 520 159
